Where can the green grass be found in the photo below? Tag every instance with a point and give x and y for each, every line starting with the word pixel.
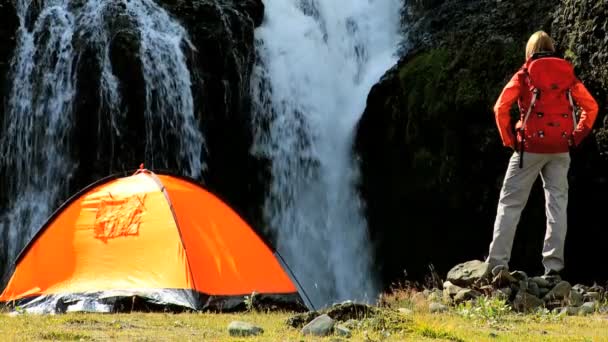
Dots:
pixel 390 325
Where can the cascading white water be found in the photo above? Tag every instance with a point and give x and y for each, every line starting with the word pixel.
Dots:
pixel 318 59
pixel 35 141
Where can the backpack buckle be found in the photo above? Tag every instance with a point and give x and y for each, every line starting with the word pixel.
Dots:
pixel 540 114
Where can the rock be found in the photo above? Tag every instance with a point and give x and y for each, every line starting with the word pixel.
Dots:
pixel 519 275
pixel 450 290
pixel 533 289
pixel 237 328
pixel 504 293
pixel 560 291
pixel 405 311
pixel 543 292
pixel 468 273
pixel 525 302
pixel 300 320
pixel 320 326
pixel 503 278
pixel 437 308
pixel 596 288
pixel 342 331
pixel 588 308
pixel 521 285
pixel 576 298
pixel 466 294
pixel 569 311
pixel 553 280
pixel 592 296
pixel 582 289
pixel 435 296
pixel 541 282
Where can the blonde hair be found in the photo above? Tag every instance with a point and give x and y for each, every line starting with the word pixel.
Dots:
pixel 540 41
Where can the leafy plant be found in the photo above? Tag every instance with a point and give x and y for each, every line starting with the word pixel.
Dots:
pixel 250 301
pixel 490 309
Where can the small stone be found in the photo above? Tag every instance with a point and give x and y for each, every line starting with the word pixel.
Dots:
pixel 580 288
pixel 525 302
pixel 468 273
pixel 533 289
pixel 541 282
pixel 237 328
pixel 466 294
pixel 405 311
pixel 435 296
pixel 569 311
pixel 542 291
pixel 437 308
pixel 519 275
pixel 596 288
pixel 320 326
pixel 504 293
pixel 576 298
pixel 450 290
pixel 560 291
pixel 587 308
pixel 342 331
pixel 553 280
pixel 592 296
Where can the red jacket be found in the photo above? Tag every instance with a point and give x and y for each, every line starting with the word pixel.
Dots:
pixel 515 90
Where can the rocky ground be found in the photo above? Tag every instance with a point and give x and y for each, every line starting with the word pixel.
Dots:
pixel 524 293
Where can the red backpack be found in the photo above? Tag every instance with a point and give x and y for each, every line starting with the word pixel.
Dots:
pixel 547 111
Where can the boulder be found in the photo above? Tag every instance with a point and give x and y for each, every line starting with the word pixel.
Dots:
pixel 465 295
pixel 468 273
pixel 575 298
pixel 525 302
pixel 437 308
pixel 320 326
pixel 588 308
pixel 540 281
pixel 450 290
pixel 559 292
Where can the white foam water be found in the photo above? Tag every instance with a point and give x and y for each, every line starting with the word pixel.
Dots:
pixel 317 61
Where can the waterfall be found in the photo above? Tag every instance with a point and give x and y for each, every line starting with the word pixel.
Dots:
pixel 317 61
pixel 37 133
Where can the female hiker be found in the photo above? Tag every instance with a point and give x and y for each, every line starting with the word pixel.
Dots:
pixel 547 92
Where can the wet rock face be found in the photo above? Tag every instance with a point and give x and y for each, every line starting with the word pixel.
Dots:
pixel 8 27
pixel 432 160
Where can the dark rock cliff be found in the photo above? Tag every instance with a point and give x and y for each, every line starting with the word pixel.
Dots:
pixel 432 160
pixel 8 27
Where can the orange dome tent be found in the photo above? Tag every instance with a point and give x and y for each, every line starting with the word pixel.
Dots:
pixel 160 239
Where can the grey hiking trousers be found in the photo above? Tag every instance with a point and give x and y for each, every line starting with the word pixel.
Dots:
pixel 553 169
